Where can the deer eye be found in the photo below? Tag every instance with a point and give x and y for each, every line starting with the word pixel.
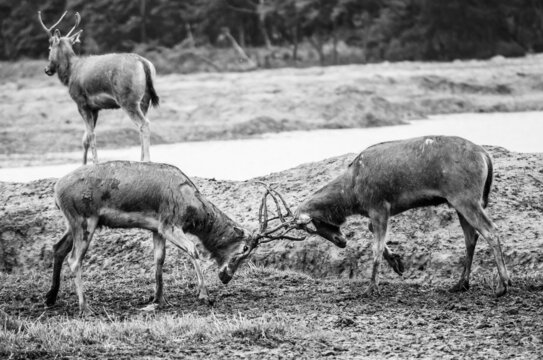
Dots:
pixel 245 248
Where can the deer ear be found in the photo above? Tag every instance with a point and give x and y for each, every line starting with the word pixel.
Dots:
pixel 239 231
pixel 74 39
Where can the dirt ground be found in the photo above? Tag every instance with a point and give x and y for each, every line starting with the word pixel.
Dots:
pixel 39 121
pixel 315 309
pixel 292 300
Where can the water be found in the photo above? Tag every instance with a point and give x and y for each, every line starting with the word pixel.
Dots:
pixel 245 159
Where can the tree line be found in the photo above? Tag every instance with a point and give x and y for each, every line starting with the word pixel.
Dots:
pixel 382 29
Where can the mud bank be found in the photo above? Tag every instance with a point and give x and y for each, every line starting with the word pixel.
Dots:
pixel 429 239
pixel 240 105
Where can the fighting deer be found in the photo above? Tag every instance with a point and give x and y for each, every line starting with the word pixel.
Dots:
pixel 389 178
pixel 151 196
pixel 110 81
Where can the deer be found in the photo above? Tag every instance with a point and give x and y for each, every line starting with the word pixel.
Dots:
pixel 98 82
pixel 150 196
pixel 389 178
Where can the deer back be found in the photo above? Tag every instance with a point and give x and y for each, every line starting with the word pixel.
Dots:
pixel 158 190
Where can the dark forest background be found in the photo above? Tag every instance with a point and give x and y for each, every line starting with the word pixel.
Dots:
pixel 377 29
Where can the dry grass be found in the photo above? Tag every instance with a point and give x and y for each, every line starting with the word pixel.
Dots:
pixel 279 314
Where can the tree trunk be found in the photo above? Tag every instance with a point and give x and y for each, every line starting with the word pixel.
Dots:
pixel 241 35
pixel 295 41
pixel 335 54
pixel 262 24
pixel 226 32
pixel 317 44
pixel 143 14
pixel 190 39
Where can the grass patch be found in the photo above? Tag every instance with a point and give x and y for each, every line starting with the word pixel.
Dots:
pixel 62 335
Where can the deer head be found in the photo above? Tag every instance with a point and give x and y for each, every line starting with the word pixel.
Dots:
pixel 60 46
pixel 263 234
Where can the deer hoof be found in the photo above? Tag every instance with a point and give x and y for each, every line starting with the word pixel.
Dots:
pixel 150 307
pixel 206 300
pixel 85 311
pixel 160 301
pixel 372 290
pixel 50 300
pixel 501 290
pixel 460 287
pixel 397 264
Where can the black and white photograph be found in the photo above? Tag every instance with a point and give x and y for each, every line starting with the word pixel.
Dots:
pixel 271 179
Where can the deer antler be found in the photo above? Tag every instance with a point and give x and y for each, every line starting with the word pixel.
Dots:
pixel 48 30
pixel 77 21
pixel 264 220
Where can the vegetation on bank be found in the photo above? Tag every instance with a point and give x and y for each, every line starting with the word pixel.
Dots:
pixel 40 119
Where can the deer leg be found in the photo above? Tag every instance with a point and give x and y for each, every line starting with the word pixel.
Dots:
pixel 470 237
pixel 89 138
pixel 137 116
pixel 159 250
pixel 160 254
pixel 476 217
pixel 379 222
pixel 82 235
pixel 61 250
pixel 394 260
pixel 144 104
pixel 176 236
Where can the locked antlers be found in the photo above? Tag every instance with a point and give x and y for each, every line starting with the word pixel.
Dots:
pixel 264 220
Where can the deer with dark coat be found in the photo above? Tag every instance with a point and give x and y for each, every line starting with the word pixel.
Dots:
pixel 389 178
pixel 151 196
pixel 110 81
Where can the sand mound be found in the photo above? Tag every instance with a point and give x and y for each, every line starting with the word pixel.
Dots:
pixel 429 239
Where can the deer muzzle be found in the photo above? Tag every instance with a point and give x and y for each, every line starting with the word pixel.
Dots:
pixel 49 71
pixel 225 275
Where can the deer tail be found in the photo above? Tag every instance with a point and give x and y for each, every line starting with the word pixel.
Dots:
pixel 149 74
pixel 489 177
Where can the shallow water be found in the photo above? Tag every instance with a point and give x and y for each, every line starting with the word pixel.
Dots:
pixel 245 159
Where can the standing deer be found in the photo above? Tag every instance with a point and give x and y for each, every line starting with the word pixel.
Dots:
pixel 151 196
pixel 99 82
pixel 389 178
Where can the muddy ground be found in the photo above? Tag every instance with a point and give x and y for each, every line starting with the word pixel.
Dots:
pixel 315 309
pixel 39 121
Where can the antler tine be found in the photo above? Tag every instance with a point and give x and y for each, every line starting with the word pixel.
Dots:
pixel 289 213
pixel 48 30
pixel 282 225
pixel 281 237
pixel 260 212
pixel 279 212
pixel 272 192
pixel 77 21
pixel 264 222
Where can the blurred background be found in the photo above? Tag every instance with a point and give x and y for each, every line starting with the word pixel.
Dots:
pixel 309 79
pixel 176 35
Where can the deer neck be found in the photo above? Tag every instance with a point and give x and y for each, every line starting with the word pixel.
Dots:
pixel 214 229
pixel 65 65
pixel 333 203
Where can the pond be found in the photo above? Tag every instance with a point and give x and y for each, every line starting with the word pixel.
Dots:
pixel 245 159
